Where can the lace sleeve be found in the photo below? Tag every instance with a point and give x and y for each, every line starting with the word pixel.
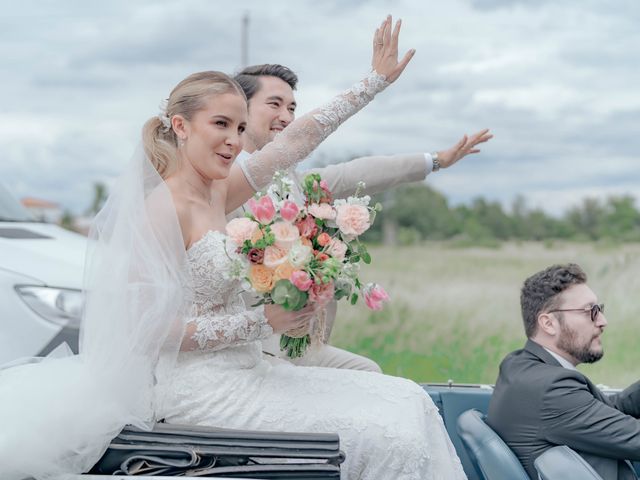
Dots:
pixel 300 138
pixel 217 331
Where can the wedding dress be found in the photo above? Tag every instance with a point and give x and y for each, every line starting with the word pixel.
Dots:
pixel 388 426
pixel 147 298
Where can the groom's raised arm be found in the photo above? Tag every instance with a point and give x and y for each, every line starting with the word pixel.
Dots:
pixel 379 173
pixel 382 172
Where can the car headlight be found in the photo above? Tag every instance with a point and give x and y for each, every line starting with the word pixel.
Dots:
pixel 61 306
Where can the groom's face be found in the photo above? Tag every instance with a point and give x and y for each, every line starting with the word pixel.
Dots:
pixel 271 109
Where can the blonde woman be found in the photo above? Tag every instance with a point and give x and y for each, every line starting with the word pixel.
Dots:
pixel 165 333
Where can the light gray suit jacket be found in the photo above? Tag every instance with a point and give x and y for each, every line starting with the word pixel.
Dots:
pixel 378 172
pixel 538 404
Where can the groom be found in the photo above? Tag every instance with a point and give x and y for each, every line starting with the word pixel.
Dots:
pixel 269 89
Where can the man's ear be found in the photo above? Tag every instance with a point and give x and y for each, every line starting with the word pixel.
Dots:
pixel 547 324
pixel 180 126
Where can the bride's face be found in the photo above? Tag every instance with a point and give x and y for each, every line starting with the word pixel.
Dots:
pixel 214 135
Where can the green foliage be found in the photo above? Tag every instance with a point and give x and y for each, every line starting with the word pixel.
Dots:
pixel 455 313
pixel 417 212
pixel 285 294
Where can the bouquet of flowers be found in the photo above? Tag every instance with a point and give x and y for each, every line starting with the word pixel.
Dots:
pixel 294 255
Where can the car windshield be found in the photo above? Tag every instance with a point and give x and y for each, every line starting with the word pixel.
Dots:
pixel 11 210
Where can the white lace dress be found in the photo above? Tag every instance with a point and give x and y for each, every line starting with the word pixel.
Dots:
pixel 389 428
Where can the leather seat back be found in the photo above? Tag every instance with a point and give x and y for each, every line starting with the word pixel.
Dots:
pixel 490 455
pixel 562 463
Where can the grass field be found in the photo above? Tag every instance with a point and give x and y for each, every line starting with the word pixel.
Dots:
pixel 455 312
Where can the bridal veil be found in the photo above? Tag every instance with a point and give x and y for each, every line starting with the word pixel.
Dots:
pixel 58 414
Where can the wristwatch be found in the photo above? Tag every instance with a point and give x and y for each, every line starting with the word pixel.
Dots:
pixel 436 163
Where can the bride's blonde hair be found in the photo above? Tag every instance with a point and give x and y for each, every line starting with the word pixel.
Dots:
pixel 159 140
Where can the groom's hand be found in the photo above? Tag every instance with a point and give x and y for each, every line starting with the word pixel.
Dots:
pixel 385 51
pixel 467 145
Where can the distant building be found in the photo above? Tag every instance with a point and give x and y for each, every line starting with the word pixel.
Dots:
pixel 43 210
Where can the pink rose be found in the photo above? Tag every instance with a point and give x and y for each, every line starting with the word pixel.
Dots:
pixel 241 229
pixel 289 211
pixel 352 219
pixel 337 249
pixel 285 234
pixel 301 280
pixel 307 227
pixel 374 296
pixel 321 293
pixel 322 210
pixel 262 209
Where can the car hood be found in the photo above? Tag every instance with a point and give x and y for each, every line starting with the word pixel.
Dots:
pixel 46 253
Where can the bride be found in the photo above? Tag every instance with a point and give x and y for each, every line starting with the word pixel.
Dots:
pixel 165 333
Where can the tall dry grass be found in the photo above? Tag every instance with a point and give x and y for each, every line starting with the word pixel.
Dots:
pixel 455 312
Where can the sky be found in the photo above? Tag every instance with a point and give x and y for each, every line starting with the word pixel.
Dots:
pixel 558 83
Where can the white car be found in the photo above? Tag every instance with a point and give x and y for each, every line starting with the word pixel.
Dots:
pixel 41 269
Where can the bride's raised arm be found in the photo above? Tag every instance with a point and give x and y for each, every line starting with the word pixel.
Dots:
pixel 300 138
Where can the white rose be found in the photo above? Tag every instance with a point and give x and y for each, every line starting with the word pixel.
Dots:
pixel 299 255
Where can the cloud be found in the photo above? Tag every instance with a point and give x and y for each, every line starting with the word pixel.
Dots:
pixel 556 82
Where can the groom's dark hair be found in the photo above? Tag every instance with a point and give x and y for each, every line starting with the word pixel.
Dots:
pixel 249 78
pixel 541 292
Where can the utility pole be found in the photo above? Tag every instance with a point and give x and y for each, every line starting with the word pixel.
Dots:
pixel 244 41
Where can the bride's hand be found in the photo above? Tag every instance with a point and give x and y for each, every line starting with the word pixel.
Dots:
pixel 282 320
pixel 385 51
pixel 464 147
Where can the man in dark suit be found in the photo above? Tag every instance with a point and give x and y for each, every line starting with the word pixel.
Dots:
pixel 541 400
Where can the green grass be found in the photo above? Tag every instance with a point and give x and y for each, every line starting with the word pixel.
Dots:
pixel 455 312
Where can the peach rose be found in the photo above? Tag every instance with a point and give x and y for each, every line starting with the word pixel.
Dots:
pixel 261 278
pixel 285 234
pixel 283 271
pixel 241 229
pixel 322 210
pixel 352 219
pixel 257 235
pixel 323 239
pixel 274 256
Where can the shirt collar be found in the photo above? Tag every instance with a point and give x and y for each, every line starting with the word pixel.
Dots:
pixel 561 360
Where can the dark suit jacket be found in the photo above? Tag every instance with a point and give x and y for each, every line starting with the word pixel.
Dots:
pixel 538 404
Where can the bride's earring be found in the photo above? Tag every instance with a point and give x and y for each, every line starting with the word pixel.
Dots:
pixel 181 142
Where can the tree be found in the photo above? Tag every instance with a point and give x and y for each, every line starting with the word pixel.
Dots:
pixel 99 197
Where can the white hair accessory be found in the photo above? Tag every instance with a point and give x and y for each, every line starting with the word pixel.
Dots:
pixel 162 115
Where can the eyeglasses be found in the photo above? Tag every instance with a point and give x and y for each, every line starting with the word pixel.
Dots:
pixel 594 310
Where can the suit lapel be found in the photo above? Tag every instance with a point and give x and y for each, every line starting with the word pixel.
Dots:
pixel 538 351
